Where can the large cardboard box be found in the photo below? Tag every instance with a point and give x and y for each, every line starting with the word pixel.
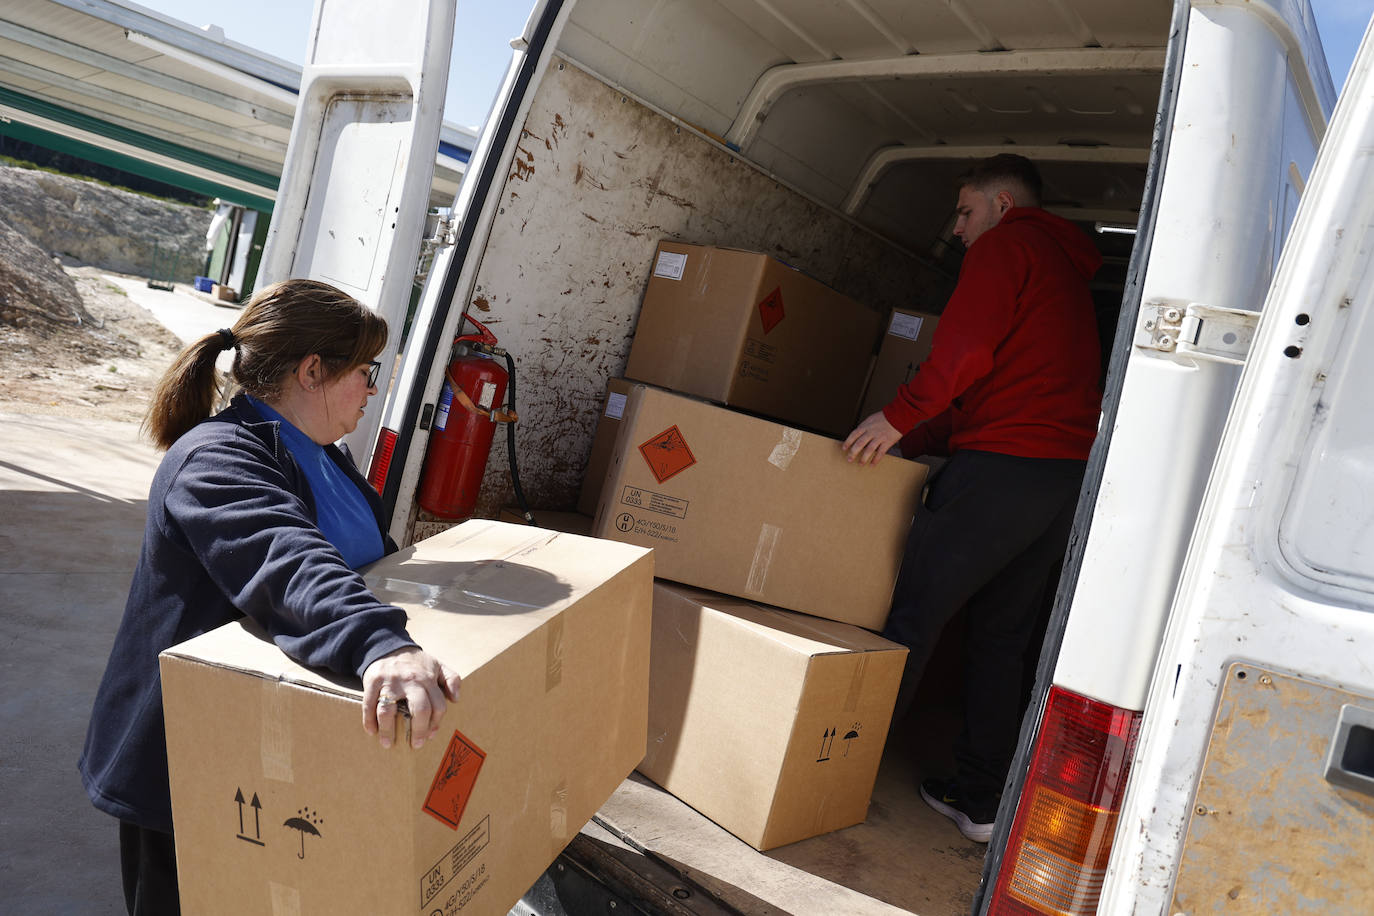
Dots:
pixel 905 346
pixel 770 723
pixel 740 328
pixel 282 804
pixel 758 510
pixel 603 444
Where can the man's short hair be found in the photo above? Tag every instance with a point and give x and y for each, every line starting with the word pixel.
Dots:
pixel 1006 171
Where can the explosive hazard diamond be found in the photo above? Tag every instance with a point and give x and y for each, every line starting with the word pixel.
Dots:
pixel 770 310
pixel 453 781
pixel 667 454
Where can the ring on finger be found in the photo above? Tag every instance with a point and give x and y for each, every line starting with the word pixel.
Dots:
pixel 386 700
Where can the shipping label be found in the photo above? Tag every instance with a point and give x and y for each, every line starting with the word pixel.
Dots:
pixel 640 498
pixel 907 326
pixel 667 454
pixel 615 405
pixel 670 265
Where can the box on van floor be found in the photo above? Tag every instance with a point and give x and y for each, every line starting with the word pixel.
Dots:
pixel 740 328
pixel 905 346
pixel 772 724
pixel 758 510
pixel 603 444
pixel 282 804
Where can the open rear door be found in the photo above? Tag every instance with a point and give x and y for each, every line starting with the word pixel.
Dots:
pixel 355 187
pixel 1253 787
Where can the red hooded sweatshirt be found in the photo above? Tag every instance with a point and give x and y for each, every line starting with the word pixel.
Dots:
pixel 1015 362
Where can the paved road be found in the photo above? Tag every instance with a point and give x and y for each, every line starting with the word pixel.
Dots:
pixel 72 504
pixel 72 498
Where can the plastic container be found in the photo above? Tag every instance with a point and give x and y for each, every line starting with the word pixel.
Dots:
pixel 203 284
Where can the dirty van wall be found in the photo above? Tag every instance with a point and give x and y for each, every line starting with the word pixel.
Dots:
pixel 597 180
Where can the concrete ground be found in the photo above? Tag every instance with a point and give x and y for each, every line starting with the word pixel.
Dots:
pixel 72 505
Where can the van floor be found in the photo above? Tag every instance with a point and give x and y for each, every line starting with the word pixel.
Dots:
pixel 905 858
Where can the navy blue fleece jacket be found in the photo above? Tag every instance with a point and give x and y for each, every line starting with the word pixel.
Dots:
pixel 231 531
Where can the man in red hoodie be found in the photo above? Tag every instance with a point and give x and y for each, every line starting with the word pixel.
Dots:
pixel 1011 394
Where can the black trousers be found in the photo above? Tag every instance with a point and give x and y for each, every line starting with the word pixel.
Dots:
pixel 987 539
pixel 148 860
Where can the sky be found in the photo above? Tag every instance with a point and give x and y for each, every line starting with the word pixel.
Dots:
pixel 481 40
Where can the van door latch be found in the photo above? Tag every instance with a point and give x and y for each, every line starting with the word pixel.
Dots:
pixel 1196 330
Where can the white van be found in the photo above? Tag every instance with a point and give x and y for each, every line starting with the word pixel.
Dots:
pixel 1201 732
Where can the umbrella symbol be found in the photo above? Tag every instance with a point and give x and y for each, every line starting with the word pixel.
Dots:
pixel 848 737
pixel 305 824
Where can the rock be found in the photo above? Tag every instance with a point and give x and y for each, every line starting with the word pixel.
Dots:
pixel 104 226
pixel 32 286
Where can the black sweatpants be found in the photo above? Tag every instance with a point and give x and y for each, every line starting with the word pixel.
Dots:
pixel 987 538
pixel 148 860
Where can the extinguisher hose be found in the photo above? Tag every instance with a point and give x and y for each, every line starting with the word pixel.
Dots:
pixel 510 445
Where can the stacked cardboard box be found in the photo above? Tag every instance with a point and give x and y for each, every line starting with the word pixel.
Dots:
pixel 282 804
pixel 758 510
pixel 770 723
pixel 743 329
pixel 905 346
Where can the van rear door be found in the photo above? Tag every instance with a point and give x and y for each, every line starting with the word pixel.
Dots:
pixel 1253 786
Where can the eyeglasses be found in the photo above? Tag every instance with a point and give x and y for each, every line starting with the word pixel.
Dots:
pixel 374 369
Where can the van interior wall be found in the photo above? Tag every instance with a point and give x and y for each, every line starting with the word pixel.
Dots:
pixel 597 181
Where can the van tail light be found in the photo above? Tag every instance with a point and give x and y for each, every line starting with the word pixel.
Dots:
pixel 381 459
pixel 1061 837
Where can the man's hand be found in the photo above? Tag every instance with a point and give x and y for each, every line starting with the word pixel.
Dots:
pixel 418 678
pixel 871 439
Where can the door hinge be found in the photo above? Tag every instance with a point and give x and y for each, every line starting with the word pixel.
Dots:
pixel 1198 331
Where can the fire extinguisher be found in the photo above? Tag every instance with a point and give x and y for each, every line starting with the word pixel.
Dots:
pixel 469 408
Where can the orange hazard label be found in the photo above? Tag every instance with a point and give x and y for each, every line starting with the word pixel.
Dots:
pixel 452 786
pixel 667 454
pixel 770 309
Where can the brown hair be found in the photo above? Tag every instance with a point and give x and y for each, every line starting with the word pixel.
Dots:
pixel 1005 171
pixel 280 325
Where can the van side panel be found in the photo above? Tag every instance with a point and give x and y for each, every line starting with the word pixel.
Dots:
pixel 597 180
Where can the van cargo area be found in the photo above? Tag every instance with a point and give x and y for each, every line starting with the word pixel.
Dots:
pixel 826 135
pixel 830 137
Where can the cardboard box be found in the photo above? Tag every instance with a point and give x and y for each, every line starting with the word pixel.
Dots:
pixel 224 293
pixel 905 346
pixel 282 804
pixel 758 510
pixel 743 329
pixel 603 444
pixel 771 724
pixel 566 522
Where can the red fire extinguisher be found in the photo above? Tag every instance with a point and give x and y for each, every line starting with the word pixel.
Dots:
pixel 464 424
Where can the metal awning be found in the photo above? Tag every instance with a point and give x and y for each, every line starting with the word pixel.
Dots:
pixel 119 84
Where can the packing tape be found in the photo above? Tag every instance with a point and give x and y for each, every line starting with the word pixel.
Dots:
pixel 856 684
pixel 275 748
pixel 763 558
pixel 558 817
pixel 786 449
pixel 286 901
pixel 553 654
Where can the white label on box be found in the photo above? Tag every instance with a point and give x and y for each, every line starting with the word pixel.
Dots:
pixel 487 396
pixel 670 264
pixel 908 326
pixel 615 405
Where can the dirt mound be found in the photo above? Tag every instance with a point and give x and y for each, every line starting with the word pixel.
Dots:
pixel 34 291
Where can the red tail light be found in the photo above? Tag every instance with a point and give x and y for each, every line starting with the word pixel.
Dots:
pixel 1061 838
pixel 381 459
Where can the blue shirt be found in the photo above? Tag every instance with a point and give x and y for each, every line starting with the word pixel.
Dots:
pixel 343 514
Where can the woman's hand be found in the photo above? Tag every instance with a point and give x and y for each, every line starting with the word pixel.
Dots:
pixel 419 679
